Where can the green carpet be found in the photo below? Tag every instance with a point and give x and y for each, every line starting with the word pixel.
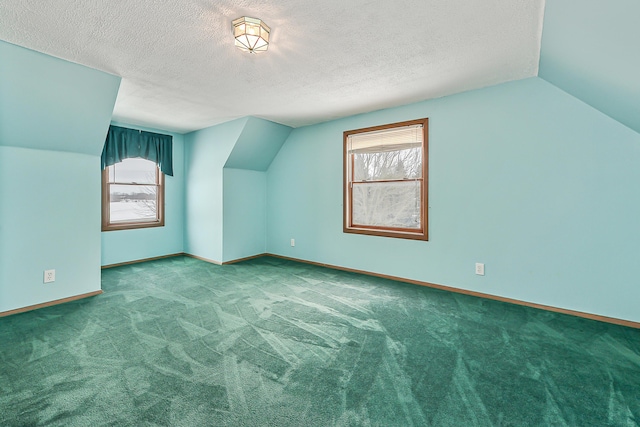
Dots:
pixel 270 342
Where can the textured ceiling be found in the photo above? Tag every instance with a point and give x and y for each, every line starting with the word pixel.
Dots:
pixel 327 59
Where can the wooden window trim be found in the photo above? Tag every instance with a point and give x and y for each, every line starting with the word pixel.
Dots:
pixel 348 181
pixel 106 221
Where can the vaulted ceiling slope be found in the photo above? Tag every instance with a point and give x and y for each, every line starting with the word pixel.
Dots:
pixel 257 145
pixel 328 59
pixel 32 88
pixel 590 50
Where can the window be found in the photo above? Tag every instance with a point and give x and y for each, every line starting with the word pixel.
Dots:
pixel 385 180
pixel 132 195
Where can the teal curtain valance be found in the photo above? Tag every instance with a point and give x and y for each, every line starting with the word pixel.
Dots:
pixel 124 143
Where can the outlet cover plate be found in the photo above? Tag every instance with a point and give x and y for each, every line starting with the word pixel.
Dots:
pixel 49 276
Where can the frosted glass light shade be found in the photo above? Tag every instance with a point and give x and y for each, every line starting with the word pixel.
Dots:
pixel 251 34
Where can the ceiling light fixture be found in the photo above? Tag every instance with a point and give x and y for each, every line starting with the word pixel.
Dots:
pixel 252 34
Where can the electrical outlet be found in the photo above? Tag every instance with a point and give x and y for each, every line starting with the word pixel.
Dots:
pixel 49 276
pixel 293 242
pixel 479 269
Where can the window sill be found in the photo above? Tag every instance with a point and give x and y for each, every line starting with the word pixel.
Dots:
pixel 419 235
pixel 132 226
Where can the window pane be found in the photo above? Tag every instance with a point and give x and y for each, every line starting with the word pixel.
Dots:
pixel 397 164
pixel 132 203
pixel 138 171
pixel 388 204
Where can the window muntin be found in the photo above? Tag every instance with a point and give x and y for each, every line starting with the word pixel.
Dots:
pixel 132 195
pixel 385 175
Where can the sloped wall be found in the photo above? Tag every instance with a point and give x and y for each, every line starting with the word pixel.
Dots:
pixel 590 50
pixel 51 104
pixel 257 145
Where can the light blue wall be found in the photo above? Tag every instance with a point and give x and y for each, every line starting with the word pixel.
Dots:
pixel 257 145
pixel 206 152
pixel 130 245
pixel 51 104
pixel 226 187
pixel 49 219
pixel 54 117
pixel 245 217
pixel 590 49
pixel 525 178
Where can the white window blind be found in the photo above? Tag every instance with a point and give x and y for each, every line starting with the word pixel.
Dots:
pixel 400 138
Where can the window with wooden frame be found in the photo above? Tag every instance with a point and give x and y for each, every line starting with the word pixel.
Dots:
pixel 132 195
pixel 385 180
